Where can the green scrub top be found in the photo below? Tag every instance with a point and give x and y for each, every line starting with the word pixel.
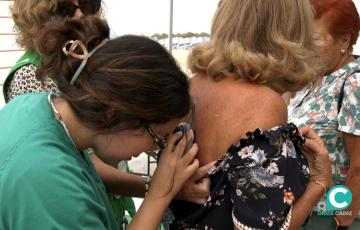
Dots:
pixel 45 183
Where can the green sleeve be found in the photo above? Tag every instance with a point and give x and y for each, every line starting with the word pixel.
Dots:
pixel 47 197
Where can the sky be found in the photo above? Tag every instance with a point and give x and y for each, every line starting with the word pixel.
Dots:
pixel 147 17
pixel 152 16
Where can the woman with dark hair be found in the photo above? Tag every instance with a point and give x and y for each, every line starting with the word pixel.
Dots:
pixel 121 97
pixel 331 104
pixel 30 17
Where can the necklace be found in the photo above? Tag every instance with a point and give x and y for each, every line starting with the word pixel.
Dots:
pixel 58 117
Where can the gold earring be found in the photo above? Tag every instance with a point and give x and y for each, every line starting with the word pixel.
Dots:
pixel 342 51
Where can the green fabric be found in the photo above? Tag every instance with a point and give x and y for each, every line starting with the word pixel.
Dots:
pixel 326 223
pixel 120 204
pixel 45 183
pixel 26 59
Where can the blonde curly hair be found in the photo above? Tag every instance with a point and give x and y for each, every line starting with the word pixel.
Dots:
pixel 30 16
pixel 266 42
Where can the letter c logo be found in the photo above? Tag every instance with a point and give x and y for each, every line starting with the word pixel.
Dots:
pixel 339 197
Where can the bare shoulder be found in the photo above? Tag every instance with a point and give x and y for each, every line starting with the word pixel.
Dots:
pixel 258 105
pixel 267 107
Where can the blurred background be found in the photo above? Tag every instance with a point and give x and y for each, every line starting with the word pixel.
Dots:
pixel 190 19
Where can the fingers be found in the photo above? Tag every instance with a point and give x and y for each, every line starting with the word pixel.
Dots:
pixel 202 171
pixel 172 150
pixel 317 156
pixel 309 134
pixel 313 142
pixel 172 139
pixel 195 191
pixel 182 148
pixel 190 169
pixel 190 155
pixel 177 161
pixel 201 188
pixel 205 186
pixel 179 147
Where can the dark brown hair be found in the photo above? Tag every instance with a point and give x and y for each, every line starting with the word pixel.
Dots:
pixel 126 82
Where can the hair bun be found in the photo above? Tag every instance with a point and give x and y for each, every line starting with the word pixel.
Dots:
pixel 90 30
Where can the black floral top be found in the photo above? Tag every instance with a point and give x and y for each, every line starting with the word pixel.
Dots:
pixel 253 186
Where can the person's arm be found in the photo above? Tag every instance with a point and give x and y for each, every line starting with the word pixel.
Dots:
pixel 305 204
pixel 173 170
pixel 348 119
pixel 196 189
pixel 119 182
pixel 320 177
pixel 352 144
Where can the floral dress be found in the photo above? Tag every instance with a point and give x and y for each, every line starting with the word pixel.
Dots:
pixel 253 186
pixel 318 108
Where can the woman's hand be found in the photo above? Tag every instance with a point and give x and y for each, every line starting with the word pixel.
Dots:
pixel 318 158
pixel 174 167
pixel 320 177
pixel 197 188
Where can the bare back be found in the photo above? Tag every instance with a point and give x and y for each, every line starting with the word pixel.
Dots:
pixel 226 110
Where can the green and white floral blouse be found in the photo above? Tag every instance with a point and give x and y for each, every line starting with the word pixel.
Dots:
pixel 318 108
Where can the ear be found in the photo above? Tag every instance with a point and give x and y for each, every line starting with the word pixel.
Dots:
pixel 345 41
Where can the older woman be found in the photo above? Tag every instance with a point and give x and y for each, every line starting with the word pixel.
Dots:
pixel 258 49
pixel 331 104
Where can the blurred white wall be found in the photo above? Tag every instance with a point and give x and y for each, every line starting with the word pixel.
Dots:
pixel 9 51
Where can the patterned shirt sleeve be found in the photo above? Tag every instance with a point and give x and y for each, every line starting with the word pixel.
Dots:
pixel 25 81
pixel 349 115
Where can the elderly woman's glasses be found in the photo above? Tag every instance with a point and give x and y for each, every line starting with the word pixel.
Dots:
pixel 87 7
pixel 159 142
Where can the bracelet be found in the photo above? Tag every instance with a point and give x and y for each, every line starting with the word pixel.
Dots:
pixel 321 184
pixel 147 184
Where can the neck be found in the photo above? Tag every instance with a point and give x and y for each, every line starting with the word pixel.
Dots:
pixel 344 60
pixel 79 133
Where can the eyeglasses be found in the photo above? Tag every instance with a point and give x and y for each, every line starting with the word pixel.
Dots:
pixel 159 142
pixel 87 7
